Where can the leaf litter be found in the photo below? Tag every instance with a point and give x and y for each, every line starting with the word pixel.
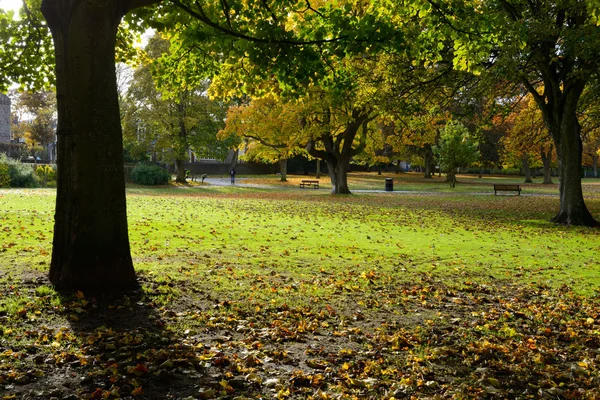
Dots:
pixel 276 318
pixel 392 340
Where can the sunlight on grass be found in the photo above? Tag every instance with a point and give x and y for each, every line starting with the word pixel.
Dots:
pixel 280 292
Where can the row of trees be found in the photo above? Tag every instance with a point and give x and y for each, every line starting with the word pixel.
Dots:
pixel 171 120
pixel 365 59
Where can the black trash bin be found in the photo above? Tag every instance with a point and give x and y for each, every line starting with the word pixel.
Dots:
pixel 389 184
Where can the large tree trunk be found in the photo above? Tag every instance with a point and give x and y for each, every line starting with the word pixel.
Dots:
pixel 91 243
pixel 338 174
pixel 526 169
pixel 547 163
pixel 283 169
pixel 338 151
pixel 558 104
pixel 566 135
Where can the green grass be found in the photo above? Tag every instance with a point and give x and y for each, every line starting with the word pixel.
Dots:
pixel 374 295
pixel 365 232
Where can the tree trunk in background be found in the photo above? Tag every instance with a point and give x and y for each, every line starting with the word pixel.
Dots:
pixel 318 175
pixel 547 162
pixel 339 150
pixel 283 169
pixel 181 148
pixel 595 165
pixel 451 178
pixel 91 244
pixel 234 159
pixel 180 171
pixel 429 160
pixel 526 169
pixel 338 174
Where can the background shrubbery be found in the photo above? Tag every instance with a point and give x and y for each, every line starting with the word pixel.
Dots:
pixel 150 175
pixel 46 175
pixel 20 175
pixel 4 176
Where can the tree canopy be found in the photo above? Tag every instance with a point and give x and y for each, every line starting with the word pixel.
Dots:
pixel 332 47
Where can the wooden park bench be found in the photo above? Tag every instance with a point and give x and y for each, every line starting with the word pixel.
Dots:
pixel 309 182
pixel 507 188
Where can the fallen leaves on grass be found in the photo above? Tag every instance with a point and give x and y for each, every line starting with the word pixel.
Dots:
pixel 426 339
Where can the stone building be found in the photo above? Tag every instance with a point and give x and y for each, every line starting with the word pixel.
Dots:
pixel 4 118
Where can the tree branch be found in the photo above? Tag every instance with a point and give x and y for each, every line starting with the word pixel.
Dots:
pixel 513 13
pixel 133 4
pixel 201 16
pixel 265 143
pixel 445 18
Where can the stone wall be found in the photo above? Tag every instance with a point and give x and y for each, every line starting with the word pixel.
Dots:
pixel 4 119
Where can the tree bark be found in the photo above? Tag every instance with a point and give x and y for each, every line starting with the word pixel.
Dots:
pixel 234 159
pixel 318 175
pixel 565 130
pixel 526 169
pixel 558 103
pixel 180 171
pixel 428 163
pixel 91 244
pixel 547 163
pixel 283 169
pixel 338 174
pixel 339 150
pixel 451 178
pixel 181 147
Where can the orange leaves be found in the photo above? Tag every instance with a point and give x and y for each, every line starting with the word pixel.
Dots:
pixel 138 391
pixel 138 370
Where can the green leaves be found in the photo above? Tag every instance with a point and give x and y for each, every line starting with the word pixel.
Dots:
pixel 26 49
pixel 456 149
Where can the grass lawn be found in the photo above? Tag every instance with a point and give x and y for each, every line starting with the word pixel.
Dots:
pixel 279 292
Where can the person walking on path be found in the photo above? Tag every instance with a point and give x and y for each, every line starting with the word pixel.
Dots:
pixel 232 174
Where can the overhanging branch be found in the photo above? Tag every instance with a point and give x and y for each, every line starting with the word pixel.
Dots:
pixel 201 16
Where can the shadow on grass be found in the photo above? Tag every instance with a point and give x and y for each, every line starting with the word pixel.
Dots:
pixel 125 350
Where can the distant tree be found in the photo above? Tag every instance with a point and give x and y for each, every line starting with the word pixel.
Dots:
pixel 338 131
pixel 333 117
pixel 36 115
pixel 590 125
pixel 169 120
pixel 528 138
pixel 456 149
pixel 270 128
pixel 379 151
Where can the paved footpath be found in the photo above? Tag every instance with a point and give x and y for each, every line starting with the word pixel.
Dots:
pixel 247 182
